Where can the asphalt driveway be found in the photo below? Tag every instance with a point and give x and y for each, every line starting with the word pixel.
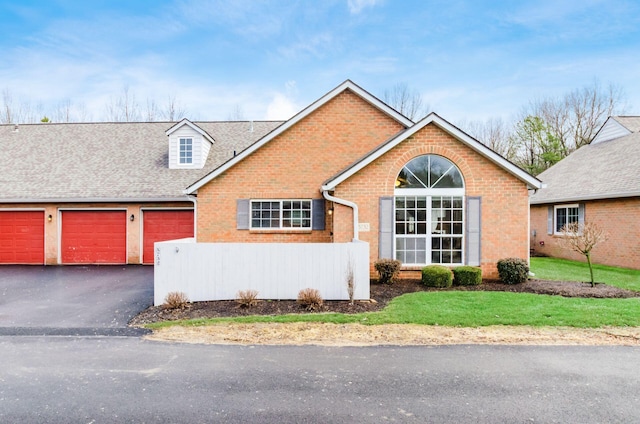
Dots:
pixel 73 300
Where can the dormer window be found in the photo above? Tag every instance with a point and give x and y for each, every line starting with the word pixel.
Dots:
pixel 189 146
pixel 186 151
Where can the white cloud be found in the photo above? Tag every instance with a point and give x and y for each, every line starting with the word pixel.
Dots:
pixel 283 105
pixel 356 6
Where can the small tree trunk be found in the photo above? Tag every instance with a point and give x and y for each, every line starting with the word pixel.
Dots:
pixel 588 255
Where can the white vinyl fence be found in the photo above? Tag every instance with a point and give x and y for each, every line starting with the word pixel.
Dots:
pixel 217 271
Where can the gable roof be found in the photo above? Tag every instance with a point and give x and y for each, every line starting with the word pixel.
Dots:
pixel 617 126
pixel 433 118
pixel 603 170
pixel 186 122
pixel 632 123
pixel 347 85
pixel 90 162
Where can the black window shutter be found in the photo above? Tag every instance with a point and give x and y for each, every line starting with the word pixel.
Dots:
pixel 318 218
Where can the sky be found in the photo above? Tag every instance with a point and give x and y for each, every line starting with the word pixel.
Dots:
pixel 469 60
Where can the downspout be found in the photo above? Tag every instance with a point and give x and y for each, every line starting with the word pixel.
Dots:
pixel 194 199
pixel 326 195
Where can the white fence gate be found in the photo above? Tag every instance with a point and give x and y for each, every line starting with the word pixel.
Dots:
pixel 217 271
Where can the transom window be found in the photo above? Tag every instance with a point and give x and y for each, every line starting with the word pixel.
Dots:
pixel 429 171
pixel 429 212
pixel 565 214
pixel 186 151
pixel 286 214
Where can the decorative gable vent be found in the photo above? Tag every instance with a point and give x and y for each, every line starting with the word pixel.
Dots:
pixel 189 146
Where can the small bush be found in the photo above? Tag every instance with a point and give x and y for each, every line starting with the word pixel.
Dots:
pixel 247 298
pixel 175 300
pixel 436 276
pixel 513 270
pixel 310 299
pixel 467 276
pixel 388 270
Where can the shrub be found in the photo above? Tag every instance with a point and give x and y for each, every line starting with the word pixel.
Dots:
pixel 513 270
pixel 247 298
pixel 388 270
pixel 436 276
pixel 310 299
pixel 175 300
pixel 467 276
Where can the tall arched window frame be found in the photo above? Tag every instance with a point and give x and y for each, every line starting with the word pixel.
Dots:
pixel 429 212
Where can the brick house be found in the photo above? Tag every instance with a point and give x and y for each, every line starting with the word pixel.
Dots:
pixel 598 183
pixel 346 167
pixel 350 167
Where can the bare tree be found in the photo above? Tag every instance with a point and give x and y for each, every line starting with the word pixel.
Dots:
pixel 66 112
pixel 123 108
pixel 14 112
pixel 493 133
pixel 406 101
pixel 152 110
pixel 582 239
pixel 575 117
pixel 173 111
pixel 237 114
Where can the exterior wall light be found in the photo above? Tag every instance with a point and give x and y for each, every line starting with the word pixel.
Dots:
pixel 50 218
pixel 132 217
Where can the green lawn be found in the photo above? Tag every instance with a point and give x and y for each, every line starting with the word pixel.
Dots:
pixel 562 269
pixel 473 309
pixel 477 309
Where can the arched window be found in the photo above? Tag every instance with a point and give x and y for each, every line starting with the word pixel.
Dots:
pixel 429 212
pixel 429 171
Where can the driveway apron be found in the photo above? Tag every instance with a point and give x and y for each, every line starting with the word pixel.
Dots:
pixel 95 300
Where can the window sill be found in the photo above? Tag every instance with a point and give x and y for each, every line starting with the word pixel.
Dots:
pixel 419 267
pixel 280 231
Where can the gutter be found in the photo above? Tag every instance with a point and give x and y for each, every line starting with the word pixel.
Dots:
pixel 602 196
pixel 194 199
pixel 326 195
pixel 95 200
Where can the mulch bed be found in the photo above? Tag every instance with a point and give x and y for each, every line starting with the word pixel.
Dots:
pixel 381 295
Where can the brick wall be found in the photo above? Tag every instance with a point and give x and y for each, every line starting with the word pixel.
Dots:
pixel 296 163
pixel 620 218
pixel 293 165
pixel 504 198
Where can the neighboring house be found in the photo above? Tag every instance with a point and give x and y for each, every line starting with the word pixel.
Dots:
pixel 346 167
pixel 598 183
pixel 105 192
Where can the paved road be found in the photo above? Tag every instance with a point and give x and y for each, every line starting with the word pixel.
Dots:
pixel 73 300
pixel 116 379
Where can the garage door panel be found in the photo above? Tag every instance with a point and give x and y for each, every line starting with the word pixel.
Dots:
pixel 94 237
pixel 22 237
pixel 162 226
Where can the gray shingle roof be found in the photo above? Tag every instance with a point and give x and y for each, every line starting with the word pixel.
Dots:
pixel 608 169
pixel 98 161
pixel 632 123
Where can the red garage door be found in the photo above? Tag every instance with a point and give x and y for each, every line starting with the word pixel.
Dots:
pixel 94 237
pixel 162 226
pixel 22 237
